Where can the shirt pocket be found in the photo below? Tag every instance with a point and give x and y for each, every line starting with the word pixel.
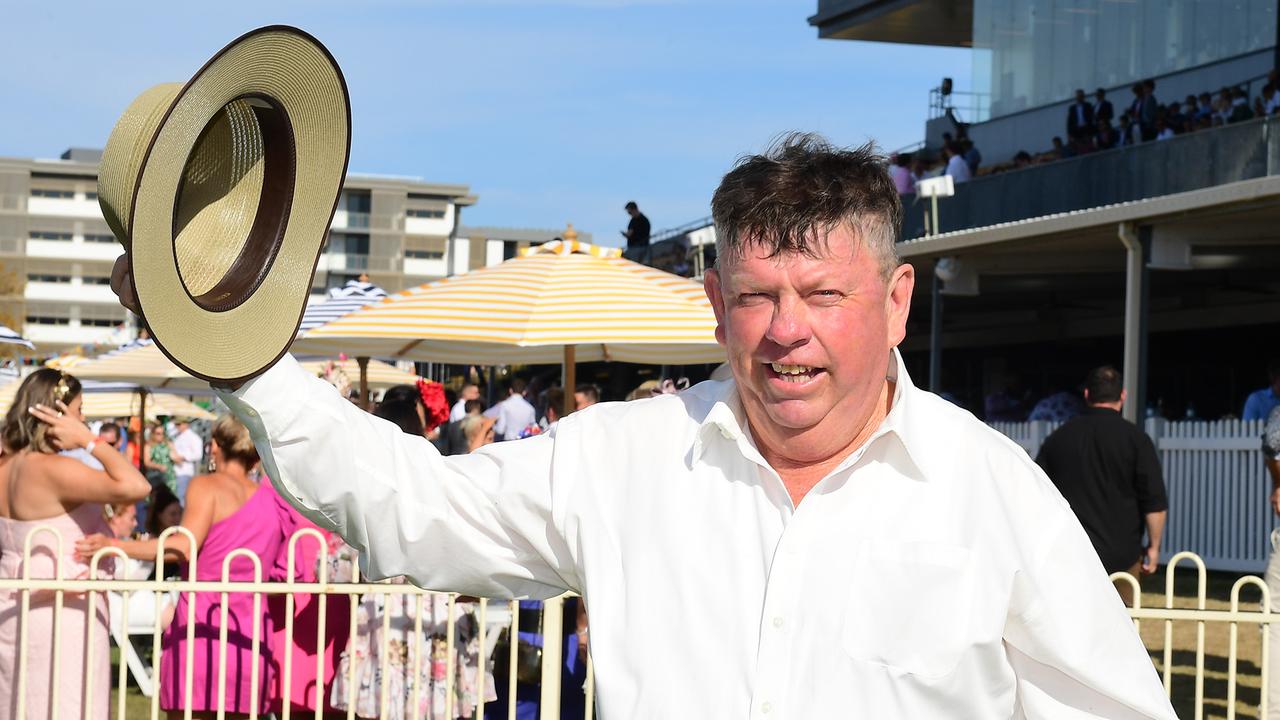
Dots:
pixel 910 607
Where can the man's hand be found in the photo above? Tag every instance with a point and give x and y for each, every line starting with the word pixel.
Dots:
pixel 1150 560
pixel 122 285
pixel 1275 500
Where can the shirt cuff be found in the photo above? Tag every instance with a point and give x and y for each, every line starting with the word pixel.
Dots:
pixel 274 399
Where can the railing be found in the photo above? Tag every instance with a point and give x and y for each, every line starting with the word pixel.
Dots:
pixel 1238 667
pixel 1216 484
pixel 1196 160
pixel 965 106
pixel 119 594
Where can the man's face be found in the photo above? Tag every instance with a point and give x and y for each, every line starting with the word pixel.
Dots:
pixel 581 401
pixel 807 338
pixel 471 392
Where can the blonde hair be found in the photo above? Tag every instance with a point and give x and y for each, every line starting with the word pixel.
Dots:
pixel 234 441
pixel 473 425
pixel 46 387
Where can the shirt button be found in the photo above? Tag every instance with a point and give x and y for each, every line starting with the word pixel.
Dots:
pixel 250 412
pixel 777 621
pixel 766 707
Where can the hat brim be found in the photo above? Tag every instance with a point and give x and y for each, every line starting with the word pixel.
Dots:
pixel 288 71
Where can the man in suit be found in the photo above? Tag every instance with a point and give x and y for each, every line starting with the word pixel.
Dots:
pixel 1102 109
pixel 1079 117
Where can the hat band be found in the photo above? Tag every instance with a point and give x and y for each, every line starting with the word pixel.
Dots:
pixel 279 164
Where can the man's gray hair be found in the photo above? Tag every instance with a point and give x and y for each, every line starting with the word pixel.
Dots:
pixel 790 198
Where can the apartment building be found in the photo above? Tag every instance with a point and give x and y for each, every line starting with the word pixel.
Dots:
pixel 56 250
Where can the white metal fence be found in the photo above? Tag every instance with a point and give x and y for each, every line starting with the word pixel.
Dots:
pixel 1184 663
pixel 99 591
pixel 1217 484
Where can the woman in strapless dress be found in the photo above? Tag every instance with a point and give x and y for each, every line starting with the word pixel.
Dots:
pixel 51 501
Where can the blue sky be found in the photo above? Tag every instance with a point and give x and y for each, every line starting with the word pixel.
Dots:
pixel 553 111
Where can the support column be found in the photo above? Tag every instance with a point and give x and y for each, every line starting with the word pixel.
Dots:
pixel 935 334
pixel 1137 310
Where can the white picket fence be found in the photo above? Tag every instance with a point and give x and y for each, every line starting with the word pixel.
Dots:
pixel 1218 487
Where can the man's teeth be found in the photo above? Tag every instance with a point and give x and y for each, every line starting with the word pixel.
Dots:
pixel 793 373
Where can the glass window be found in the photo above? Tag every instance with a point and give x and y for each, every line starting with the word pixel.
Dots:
pixel 96 280
pixel 48 193
pixel 348 244
pixel 99 238
pixel 48 278
pixel 46 235
pixel 354 201
pixel 47 320
pixel 98 322
pixel 424 254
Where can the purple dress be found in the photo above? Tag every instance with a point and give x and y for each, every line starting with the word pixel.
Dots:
pixel 256 526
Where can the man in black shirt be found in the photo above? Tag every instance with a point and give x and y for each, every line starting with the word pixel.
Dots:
pixel 1108 470
pixel 637 232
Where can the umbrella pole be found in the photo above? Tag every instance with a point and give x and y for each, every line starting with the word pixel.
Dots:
pixel 363 362
pixel 142 430
pixel 570 380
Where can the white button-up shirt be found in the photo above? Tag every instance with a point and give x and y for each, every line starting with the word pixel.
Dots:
pixel 936 573
pixel 513 416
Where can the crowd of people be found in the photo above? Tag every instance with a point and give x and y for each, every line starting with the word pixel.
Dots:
pixel 102 488
pixel 1092 125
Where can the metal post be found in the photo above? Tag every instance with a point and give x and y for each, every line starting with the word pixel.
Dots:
pixel 569 380
pixel 1137 310
pixel 935 333
pixel 552 657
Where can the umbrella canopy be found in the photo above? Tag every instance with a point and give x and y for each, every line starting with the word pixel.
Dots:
pixel 563 294
pixel 341 301
pixel 114 404
pixel 146 365
pixel 381 375
pixel 8 336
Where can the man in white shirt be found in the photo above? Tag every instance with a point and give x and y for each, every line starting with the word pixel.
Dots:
pixel 957 168
pixel 515 414
pixel 190 448
pixel 470 391
pixel 823 538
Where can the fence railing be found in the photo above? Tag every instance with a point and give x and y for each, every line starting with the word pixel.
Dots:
pixel 1238 668
pixel 75 602
pixel 1201 159
pixel 1216 482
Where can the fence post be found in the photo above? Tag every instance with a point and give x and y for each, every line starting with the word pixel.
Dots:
pixel 552 653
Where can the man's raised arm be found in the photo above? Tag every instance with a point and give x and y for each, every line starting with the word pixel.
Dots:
pixel 487 524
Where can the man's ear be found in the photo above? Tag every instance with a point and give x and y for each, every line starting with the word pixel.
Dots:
pixel 897 302
pixel 715 295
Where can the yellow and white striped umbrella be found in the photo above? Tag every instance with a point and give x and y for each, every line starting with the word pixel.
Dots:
pixel 146 365
pixel 528 309
pixel 101 405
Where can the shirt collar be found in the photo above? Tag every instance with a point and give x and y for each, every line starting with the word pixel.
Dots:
pixel 907 421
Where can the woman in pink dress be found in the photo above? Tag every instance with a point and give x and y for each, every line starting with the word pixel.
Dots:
pixel 226 510
pixel 43 489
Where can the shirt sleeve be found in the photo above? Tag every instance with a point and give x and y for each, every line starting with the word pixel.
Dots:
pixel 490 524
pixel 1149 477
pixel 1069 639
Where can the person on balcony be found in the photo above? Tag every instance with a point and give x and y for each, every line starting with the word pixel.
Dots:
pixel 637 232
pixel 1103 111
pixel 1080 117
pixel 957 168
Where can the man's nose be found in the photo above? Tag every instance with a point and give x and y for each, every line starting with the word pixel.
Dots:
pixel 790 324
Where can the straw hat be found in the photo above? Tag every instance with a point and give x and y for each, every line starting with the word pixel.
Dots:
pixel 222 190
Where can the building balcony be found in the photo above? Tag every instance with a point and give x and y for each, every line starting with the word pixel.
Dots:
pixel 70 292
pixel 74 250
pixel 54 336
pixel 1194 161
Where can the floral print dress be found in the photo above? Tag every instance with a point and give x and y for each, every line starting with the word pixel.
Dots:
pixel 365 652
